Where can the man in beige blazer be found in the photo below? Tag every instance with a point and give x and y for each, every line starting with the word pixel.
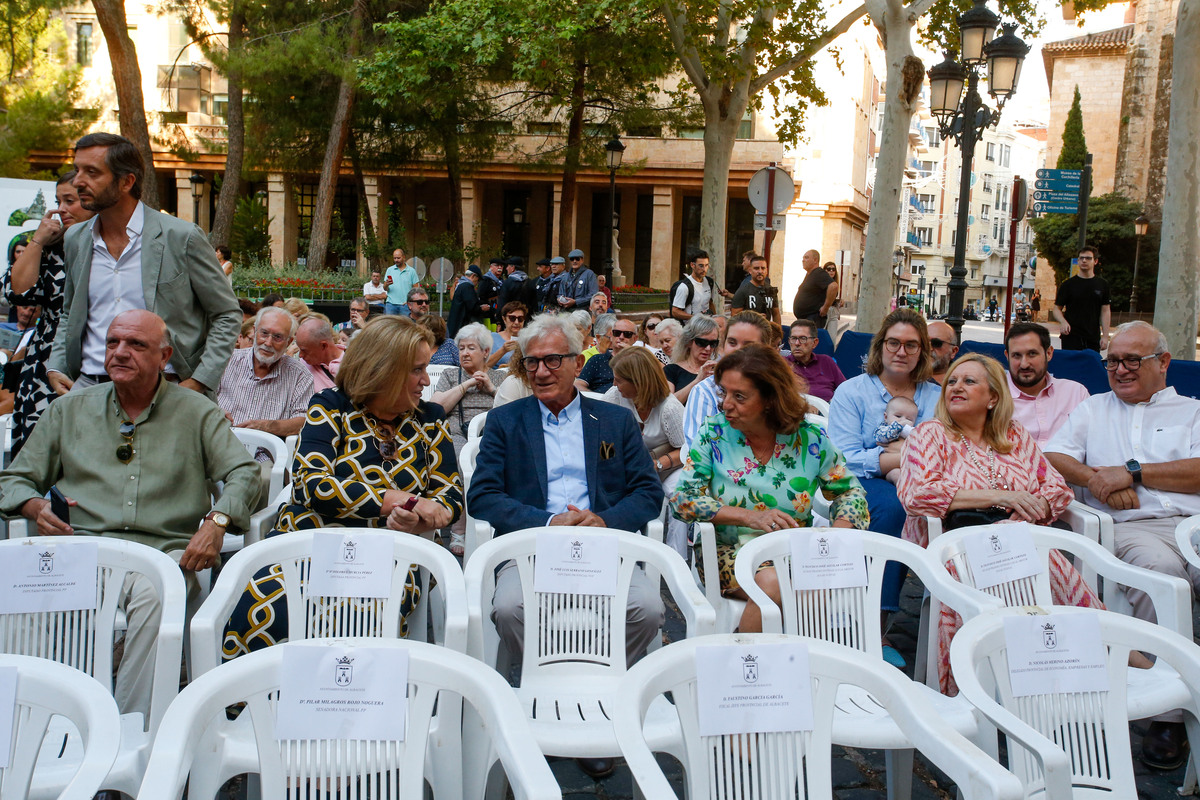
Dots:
pixel 131 256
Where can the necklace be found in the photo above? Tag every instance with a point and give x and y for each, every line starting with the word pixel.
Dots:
pixel 385 437
pixel 992 475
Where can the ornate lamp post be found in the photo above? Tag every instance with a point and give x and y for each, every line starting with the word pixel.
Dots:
pixel 197 180
pixel 965 117
pixel 1140 226
pixel 613 152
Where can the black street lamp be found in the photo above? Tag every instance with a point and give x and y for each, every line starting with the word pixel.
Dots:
pixel 197 180
pixel 613 152
pixel 965 117
pixel 1140 226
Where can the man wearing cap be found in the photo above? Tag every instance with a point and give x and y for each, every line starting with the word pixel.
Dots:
pixel 578 284
pixel 543 296
pixel 464 307
pixel 517 286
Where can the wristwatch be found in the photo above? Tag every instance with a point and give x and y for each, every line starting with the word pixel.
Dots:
pixel 1135 469
pixel 222 520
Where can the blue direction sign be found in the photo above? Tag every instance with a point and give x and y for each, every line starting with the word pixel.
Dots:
pixel 1056 208
pixel 1075 175
pixel 1057 186
pixel 1057 191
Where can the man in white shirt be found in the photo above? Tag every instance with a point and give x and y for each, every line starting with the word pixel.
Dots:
pixel 1137 450
pixel 1041 402
pixel 375 292
pixel 683 306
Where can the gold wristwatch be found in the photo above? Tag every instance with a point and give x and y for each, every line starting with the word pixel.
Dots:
pixel 220 519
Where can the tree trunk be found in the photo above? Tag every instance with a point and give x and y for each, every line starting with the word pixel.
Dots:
pixel 451 150
pixel 570 173
pixel 1177 306
pixel 339 131
pixel 875 283
pixel 236 133
pixel 370 240
pixel 720 135
pixel 127 77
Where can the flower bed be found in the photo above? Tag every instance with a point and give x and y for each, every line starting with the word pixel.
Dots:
pixel 639 298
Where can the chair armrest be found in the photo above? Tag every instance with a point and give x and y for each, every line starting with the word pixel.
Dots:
pixel 708 552
pixel 1184 533
pixel 1092 523
pixel 934 526
pixel 654 530
pixel 697 611
pixel 18 528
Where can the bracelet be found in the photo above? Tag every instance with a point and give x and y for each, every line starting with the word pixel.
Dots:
pixel 33 240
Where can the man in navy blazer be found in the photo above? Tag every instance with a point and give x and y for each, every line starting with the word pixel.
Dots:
pixel 559 458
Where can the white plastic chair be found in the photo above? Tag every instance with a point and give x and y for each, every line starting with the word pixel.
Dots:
pixel 1187 539
pixel 199 740
pixel 786 765
pixel 728 609
pixel 84 640
pixel 851 617
pixel 263 520
pixel 53 696
pixel 574 646
pixel 278 449
pixel 475 426
pixel 818 405
pixel 435 372
pixel 1071 745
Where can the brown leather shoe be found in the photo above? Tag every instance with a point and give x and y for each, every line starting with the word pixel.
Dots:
pixel 596 768
pixel 1165 745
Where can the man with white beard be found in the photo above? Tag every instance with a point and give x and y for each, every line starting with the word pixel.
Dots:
pixel 262 388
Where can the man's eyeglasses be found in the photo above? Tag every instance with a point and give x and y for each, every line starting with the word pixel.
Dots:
pixel 125 451
pixel 1131 363
pixel 706 342
pixel 415 302
pixel 552 361
pixel 802 339
pixel 894 345
pixel 936 344
pixel 577 259
pixel 277 338
pixel 515 317
pixel 623 334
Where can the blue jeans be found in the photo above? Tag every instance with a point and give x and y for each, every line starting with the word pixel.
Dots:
pixel 887 517
pixel 396 308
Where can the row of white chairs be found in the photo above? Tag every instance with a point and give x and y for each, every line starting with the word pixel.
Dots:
pixel 555 678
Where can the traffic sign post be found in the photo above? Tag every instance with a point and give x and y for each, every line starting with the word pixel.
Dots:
pixel 771 192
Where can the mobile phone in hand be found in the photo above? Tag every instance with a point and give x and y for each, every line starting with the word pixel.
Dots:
pixel 58 504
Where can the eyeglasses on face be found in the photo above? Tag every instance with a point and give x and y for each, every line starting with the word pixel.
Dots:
pixel 1131 363
pixel 623 334
pixel 552 361
pixel 937 344
pixel 702 343
pixel 515 317
pixel 802 339
pixel 125 451
pixel 417 302
pixel 894 345
pixel 277 338
pixel 651 326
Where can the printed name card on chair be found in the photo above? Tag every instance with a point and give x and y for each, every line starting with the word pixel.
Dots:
pixel 1002 553
pixel 48 576
pixel 333 692
pixel 761 688
pixel 571 562
pixel 353 564
pixel 823 560
pixel 1055 654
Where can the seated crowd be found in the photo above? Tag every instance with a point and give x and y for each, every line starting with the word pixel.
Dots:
pixel 593 420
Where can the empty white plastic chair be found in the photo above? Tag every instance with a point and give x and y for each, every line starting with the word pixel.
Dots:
pixel 851 617
pixel 574 645
pixel 1071 745
pixel 199 740
pixel 53 696
pixel 786 765
pixel 83 639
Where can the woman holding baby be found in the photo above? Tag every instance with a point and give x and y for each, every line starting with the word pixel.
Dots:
pixel 899 364
pixel 974 465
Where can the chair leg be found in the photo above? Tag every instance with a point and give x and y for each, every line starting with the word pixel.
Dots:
pixel 1189 778
pixel 899 774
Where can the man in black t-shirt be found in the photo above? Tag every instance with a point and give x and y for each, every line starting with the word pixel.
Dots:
pixel 816 293
pixel 755 294
pixel 1081 306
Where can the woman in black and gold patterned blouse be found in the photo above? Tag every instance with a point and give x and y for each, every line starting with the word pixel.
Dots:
pixel 371 454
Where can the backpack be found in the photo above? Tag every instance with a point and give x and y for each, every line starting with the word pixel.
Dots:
pixel 691 294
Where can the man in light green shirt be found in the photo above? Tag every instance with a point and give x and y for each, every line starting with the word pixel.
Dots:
pixel 135 458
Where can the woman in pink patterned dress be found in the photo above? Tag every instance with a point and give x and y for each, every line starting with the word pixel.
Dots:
pixel 973 455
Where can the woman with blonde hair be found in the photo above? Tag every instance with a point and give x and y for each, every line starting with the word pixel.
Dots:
pixel 973 464
pixel 372 454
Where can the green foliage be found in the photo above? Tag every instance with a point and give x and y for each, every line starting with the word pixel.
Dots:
pixel 1110 229
pixel 38 92
pixel 444 246
pixel 249 235
pixel 1074 146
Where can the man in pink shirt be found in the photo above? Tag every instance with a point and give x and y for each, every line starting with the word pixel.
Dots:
pixel 1041 402
pixel 319 352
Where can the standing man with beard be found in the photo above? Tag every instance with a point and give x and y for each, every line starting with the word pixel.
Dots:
pixel 264 389
pixel 1041 402
pixel 130 256
pixel 944 345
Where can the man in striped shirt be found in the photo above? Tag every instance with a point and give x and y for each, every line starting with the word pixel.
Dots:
pixel 263 388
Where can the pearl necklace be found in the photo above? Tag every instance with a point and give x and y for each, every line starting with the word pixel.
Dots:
pixel 993 483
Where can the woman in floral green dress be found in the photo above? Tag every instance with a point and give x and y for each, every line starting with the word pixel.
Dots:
pixel 754 468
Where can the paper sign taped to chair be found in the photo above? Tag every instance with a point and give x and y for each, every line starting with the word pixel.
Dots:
pixel 571 562
pixel 333 692
pixel 1055 654
pixel 8 708
pixel 821 559
pixel 1002 553
pixel 762 688
pixel 351 564
pixel 45 575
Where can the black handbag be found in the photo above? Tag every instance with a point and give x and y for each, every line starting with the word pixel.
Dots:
pixel 966 517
